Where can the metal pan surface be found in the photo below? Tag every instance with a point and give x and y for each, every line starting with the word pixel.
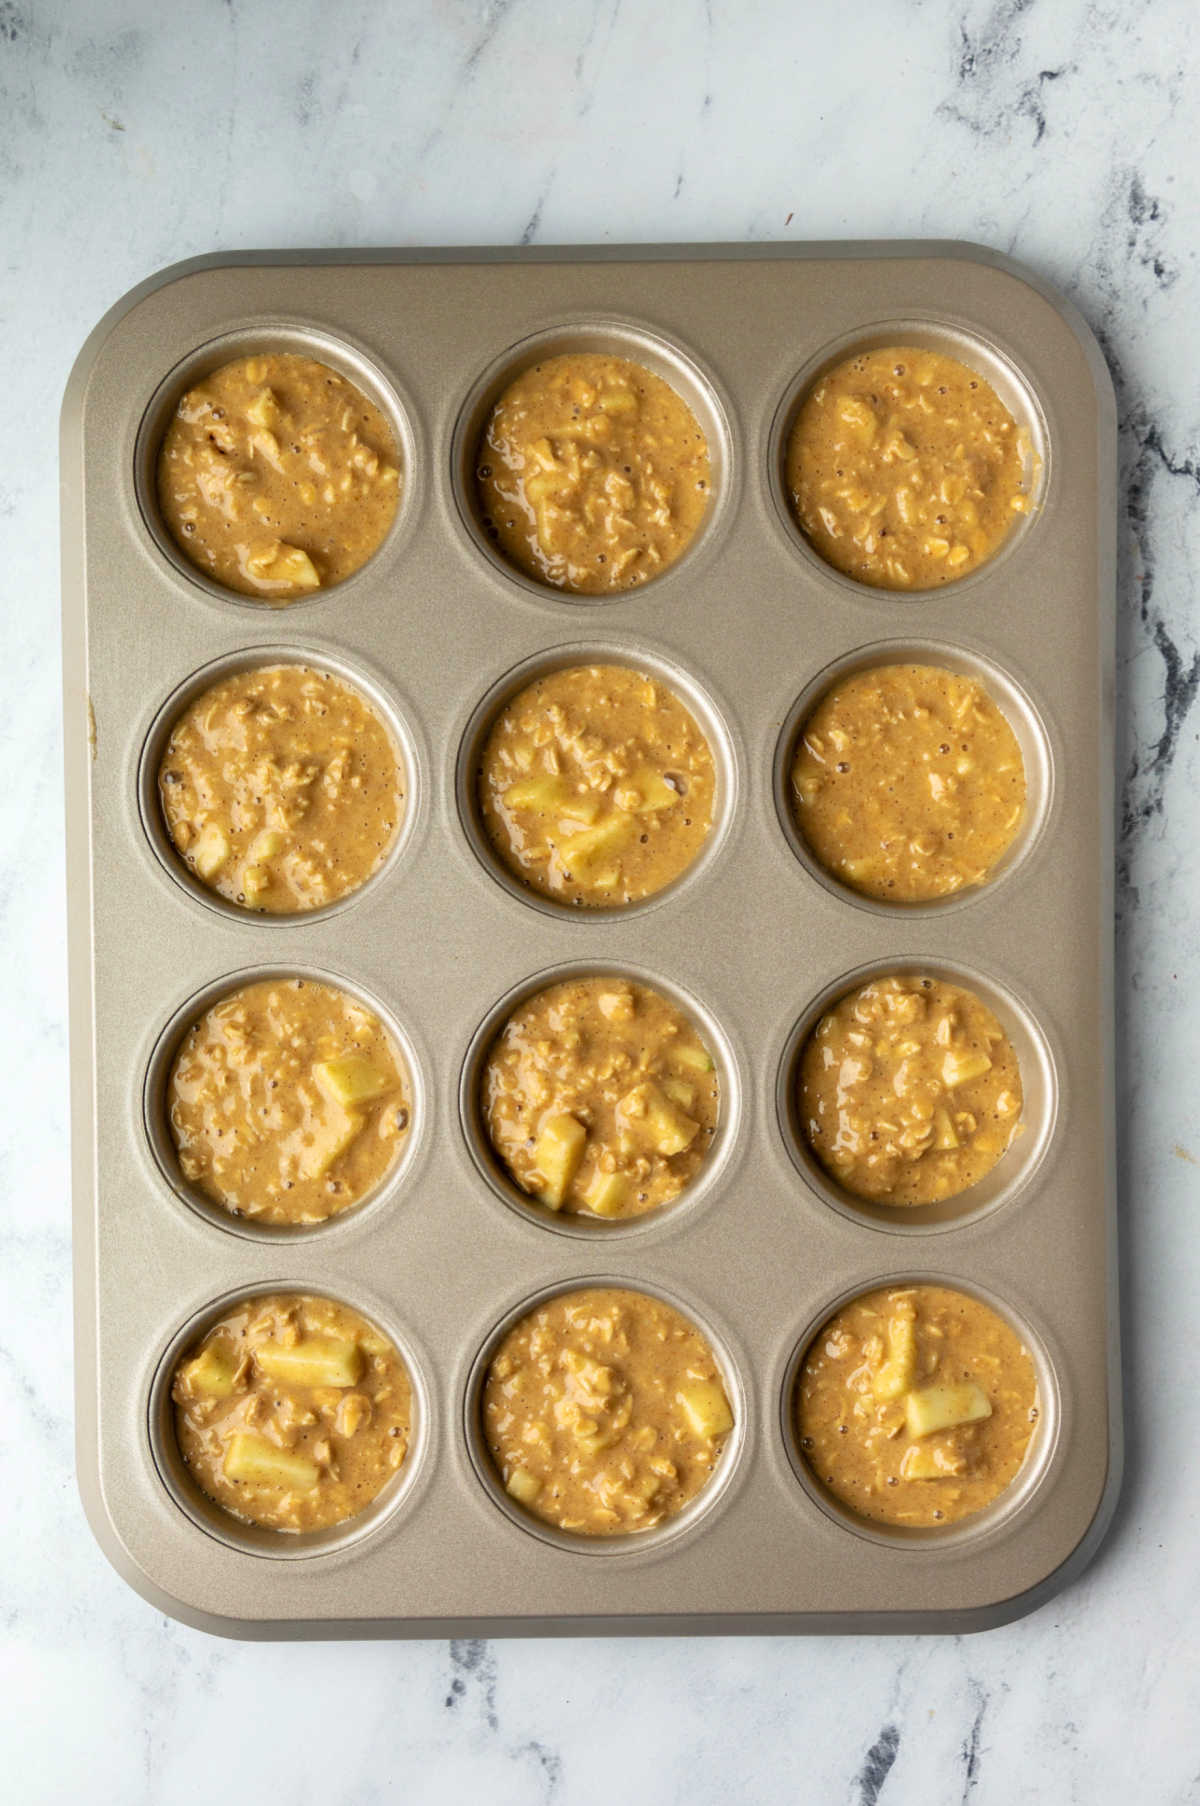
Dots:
pixel 434 629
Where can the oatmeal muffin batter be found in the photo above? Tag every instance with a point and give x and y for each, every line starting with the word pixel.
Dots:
pixel 605 1412
pixel 592 473
pixel 292 1412
pixel 916 1405
pixel 277 477
pixel 908 782
pixel 281 789
pixel 909 1090
pixel 287 1102
pixel 596 786
pixel 905 468
pixel 599 1097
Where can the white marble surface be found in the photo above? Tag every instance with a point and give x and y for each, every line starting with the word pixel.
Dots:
pixel 1063 131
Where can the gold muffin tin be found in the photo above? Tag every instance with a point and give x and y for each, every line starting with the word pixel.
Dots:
pixel 748 626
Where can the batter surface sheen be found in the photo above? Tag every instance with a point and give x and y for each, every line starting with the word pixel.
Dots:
pixel 596 785
pixel 908 783
pixel 906 470
pixel 915 1405
pixel 287 1102
pixel 592 473
pixel 277 477
pixel 600 1098
pixel 281 789
pixel 293 1411
pixel 605 1412
pixel 909 1090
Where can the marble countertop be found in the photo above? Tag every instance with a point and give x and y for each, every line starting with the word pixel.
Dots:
pixel 1060 131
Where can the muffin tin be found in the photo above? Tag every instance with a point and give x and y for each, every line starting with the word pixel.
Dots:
pixel 748 626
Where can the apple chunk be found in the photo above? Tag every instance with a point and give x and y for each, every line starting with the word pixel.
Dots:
pixel 313 1361
pixel 553 796
pixel 211 1373
pixel 936 1408
pixel 668 1129
pixel 928 1461
pixel 557 1153
pixel 210 850
pixel 257 1462
pixel 607 1193
pixel 340 1132
pixel 705 1407
pixel 523 1486
pixel 352 1079
pixel 896 1375
pixel 578 852
pixel 961 1068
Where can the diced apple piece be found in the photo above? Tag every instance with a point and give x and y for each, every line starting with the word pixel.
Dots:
pixel 960 1068
pixel 313 1361
pixel 211 1373
pixel 897 1373
pixel 523 1486
pixel 255 880
pixel 578 851
pixel 554 797
pixel 282 563
pixel 653 790
pixel 668 1128
pixel 351 1079
pixel 259 1463
pixel 594 1442
pixel 594 1377
pixel 693 1054
pixel 263 409
pixel 705 1407
pixel 339 1133
pixel 210 850
pixel 354 1411
pixel 267 445
pixel 557 1154
pixel 680 1093
pixel 926 1461
pixel 267 844
pixel 945 1136
pixel 607 1193
pixel 936 1408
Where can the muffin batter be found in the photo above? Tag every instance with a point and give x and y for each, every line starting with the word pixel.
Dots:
pixel 916 1405
pixel 908 782
pixel 292 1412
pixel 277 477
pixel 906 470
pixel 596 786
pixel 909 1090
pixel 605 1412
pixel 599 1097
pixel 287 1102
pixel 592 473
pixel 281 789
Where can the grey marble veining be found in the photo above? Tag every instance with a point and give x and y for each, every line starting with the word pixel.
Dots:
pixel 1061 131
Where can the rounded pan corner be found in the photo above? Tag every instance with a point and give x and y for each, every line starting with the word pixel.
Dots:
pixel 111 1545
pixel 196 1617
pixel 1019 1605
pixel 89 352
pixel 968 251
